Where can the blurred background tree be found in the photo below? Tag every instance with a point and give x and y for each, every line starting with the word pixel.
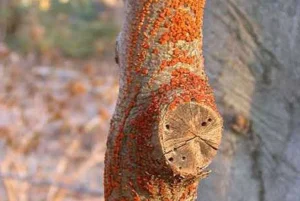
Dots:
pixel 81 28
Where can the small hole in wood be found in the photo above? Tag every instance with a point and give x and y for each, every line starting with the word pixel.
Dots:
pixel 183 158
pixel 168 127
pixel 175 149
pixel 180 168
pixel 204 124
pixel 193 99
pixel 171 159
pixel 209 119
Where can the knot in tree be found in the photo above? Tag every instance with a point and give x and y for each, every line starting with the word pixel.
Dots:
pixel 166 128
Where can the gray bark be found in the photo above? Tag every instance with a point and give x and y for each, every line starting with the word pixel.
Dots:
pixel 252 58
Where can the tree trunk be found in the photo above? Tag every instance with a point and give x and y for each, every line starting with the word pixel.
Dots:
pixel 166 128
pixel 10 18
pixel 253 61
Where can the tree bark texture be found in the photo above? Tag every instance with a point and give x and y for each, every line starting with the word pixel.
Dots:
pixel 166 128
pixel 253 62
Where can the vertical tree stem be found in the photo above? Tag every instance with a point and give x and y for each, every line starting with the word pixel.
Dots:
pixel 166 128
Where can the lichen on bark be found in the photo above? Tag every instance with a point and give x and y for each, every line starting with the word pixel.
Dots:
pixel 166 128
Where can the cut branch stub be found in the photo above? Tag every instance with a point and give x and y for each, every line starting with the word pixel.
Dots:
pixel 190 136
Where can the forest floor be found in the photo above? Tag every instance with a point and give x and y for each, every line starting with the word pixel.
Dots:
pixel 54 120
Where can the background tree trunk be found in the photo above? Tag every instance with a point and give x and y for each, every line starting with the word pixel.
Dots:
pixel 10 18
pixel 253 58
pixel 166 128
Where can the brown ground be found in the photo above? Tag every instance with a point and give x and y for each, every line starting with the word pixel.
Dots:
pixel 54 120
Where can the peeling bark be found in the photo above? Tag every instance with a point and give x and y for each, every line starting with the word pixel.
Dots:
pixel 166 128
